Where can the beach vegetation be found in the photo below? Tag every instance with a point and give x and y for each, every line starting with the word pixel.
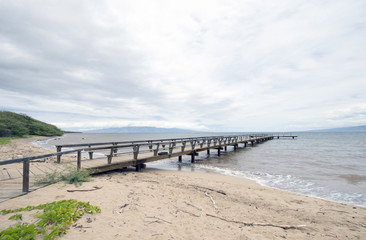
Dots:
pixel 7 140
pixel 76 177
pixel 16 217
pixel 72 176
pixel 52 219
pixel 20 125
pixel 47 179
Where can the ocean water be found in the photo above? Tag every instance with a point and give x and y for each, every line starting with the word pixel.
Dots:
pixel 330 166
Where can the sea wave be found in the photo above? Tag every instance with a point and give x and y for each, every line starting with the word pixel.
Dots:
pixel 290 183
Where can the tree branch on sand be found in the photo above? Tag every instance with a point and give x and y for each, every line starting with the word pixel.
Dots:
pixel 206 188
pixel 212 200
pixel 284 227
pixel 85 190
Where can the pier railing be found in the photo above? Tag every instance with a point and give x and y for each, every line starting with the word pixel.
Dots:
pixel 138 152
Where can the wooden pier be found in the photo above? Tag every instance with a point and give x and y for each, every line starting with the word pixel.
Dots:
pixel 117 155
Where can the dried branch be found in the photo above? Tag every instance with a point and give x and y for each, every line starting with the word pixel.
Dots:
pixel 152 181
pixel 192 214
pixel 206 188
pixel 120 209
pixel 212 200
pixel 157 234
pixel 241 230
pixel 79 226
pixel 85 190
pixel 159 219
pixel 190 204
pixel 285 227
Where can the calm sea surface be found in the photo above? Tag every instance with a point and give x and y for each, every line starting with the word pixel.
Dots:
pixel 325 165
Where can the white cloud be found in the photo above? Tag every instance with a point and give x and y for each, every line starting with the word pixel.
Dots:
pixel 195 64
pixel 85 75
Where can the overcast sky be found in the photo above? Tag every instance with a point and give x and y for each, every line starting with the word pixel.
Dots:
pixel 203 65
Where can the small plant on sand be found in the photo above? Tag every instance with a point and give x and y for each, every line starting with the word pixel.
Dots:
pixel 49 178
pixel 16 217
pixel 72 176
pixel 6 140
pixel 53 221
pixel 76 177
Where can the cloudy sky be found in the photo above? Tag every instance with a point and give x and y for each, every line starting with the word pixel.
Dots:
pixel 245 65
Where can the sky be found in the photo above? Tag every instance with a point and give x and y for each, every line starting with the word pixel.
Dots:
pixel 230 66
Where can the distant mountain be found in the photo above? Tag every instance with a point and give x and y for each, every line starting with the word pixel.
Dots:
pixel 344 129
pixel 139 130
pixel 14 124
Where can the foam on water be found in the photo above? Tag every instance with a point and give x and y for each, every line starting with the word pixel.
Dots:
pixel 292 184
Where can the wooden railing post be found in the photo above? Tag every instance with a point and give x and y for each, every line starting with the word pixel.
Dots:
pixel 79 161
pixel 26 176
pixel 115 149
pixel 156 150
pixel 171 147
pixel 110 156
pixel 150 146
pixel 58 156
pixel 183 146
pixel 135 151
pixel 193 144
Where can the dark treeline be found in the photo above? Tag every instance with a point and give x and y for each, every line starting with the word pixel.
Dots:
pixel 13 124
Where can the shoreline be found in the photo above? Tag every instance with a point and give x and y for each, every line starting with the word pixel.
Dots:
pixel 159 204
pixel 39 149
pixel 296 173
pixel 163 204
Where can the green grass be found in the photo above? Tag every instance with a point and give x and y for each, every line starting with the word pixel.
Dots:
pixel 7 140
pixel 71 177
pixel 49 178
pixel 75 177
pixel 53 221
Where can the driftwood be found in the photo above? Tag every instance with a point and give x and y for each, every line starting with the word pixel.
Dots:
pixel 150 181
pixel 120 209
pixel 79 226
pixel 284 227
pixel 85 190
pixel 212 200
pixel 190 204
pixel 157 234
pixel 241 230
pixel 158 219
pixel 192 214
pixel 206 188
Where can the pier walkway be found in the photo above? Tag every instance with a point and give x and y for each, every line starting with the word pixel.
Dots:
pixel 17 176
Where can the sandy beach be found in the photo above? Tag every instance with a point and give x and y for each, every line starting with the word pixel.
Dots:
pixel 156 204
